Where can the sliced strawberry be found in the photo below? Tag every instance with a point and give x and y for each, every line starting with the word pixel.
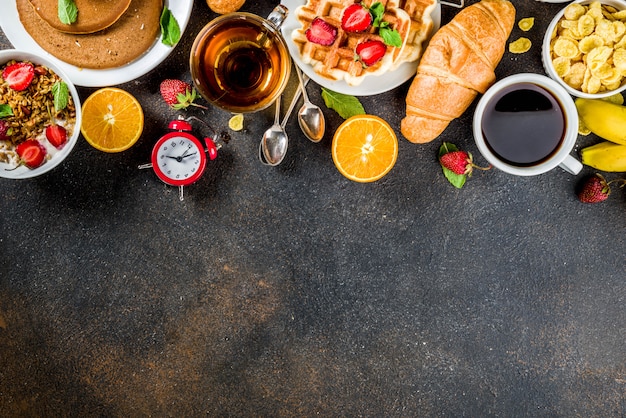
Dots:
pixel 19 75
pixel 56 135
pixel 371 51
pixel 31 152
pixel 321 32
pixel 5 130
pixel 356 18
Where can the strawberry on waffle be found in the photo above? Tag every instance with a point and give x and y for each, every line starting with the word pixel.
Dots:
pixel 411 19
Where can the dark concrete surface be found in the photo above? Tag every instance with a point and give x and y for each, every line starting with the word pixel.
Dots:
pixel 291 291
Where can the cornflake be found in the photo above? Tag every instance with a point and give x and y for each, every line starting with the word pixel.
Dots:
pixel 526 24
pixel 520 45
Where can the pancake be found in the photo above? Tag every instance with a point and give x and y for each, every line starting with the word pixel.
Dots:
pixel 93 15
pixel 121 43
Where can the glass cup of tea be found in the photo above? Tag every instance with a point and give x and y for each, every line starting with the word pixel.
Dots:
pixel 240 61
pixel 527 124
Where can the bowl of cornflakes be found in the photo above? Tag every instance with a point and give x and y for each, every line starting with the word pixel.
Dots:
pixel 584 48
pixel 40 114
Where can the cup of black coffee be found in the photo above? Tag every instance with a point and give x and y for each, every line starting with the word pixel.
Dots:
pixel 527 124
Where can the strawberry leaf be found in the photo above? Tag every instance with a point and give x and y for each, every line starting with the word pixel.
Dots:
pixel 67 11
pixel 457 180
pixel 345 105
pixel 170 30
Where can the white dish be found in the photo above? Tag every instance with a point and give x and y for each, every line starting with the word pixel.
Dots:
pixel 372 84
pixel 17 35
pixel 57 156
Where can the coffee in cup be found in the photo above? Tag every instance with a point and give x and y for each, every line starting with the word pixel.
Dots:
pixel 240 61
pixel 527 124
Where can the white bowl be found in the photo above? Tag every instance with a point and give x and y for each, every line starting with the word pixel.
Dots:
pixel 547 60
pixel 57 156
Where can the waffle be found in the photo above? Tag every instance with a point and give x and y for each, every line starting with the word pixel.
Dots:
pixel 411 18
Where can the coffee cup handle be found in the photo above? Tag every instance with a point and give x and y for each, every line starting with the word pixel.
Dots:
pixel 571 165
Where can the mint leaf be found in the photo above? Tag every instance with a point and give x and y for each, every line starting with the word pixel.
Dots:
pixel 457 180
pixel 5 110
pixel 345 105
pixel 377 10
pixel 390 36
pixel 170 30
pixel 67 11
pixel 61 94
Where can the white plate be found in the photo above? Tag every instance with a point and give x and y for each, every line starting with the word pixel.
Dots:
pixel 17 35
pixel 372 84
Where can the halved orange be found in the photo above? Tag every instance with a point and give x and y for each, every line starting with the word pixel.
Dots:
pixel 112 119
pixel 364 148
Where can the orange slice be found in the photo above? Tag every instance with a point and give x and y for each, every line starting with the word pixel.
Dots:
pixel 112 120
pixel 364 148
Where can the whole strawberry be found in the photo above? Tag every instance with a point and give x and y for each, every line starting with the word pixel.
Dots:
pixel 459 162
pixel 178 94
pixel 595 189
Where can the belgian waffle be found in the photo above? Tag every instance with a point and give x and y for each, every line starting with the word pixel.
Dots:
pixel 411 18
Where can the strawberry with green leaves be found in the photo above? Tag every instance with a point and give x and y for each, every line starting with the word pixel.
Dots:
pixel 359 18
pixel 457 165
pixel 595 188
pixel 178 94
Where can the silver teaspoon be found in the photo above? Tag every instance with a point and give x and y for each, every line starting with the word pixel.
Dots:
pixel 310 116
pixel 274 144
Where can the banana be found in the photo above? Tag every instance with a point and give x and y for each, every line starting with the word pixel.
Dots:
pixel 605 156
pixel 603 118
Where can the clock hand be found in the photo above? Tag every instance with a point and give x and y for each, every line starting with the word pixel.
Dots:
pixel 181 157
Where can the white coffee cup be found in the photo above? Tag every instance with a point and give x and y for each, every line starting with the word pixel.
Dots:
pixel 560 156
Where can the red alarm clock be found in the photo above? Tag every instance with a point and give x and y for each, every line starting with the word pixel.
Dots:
pixel 179 158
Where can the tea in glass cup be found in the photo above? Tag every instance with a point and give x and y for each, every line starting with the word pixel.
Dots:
pixel 240 61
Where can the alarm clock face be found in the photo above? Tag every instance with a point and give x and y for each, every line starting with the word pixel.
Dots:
pixel 178 159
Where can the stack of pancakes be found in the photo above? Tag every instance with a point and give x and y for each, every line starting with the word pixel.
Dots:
pixel 411 18
pixel 106 34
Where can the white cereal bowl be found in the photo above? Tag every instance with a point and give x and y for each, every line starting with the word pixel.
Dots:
pixel 547 60
pixel 56 156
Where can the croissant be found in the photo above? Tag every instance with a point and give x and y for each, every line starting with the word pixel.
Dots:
pixel 458 63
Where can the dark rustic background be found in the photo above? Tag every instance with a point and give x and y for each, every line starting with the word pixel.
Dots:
pixel 291 291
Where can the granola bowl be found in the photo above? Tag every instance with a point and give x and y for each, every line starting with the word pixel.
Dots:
pixel 584 49
pixel 49 99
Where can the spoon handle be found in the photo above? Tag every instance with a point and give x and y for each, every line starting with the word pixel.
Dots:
pixel 302 84
pixel 304 80
pixel 277 111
